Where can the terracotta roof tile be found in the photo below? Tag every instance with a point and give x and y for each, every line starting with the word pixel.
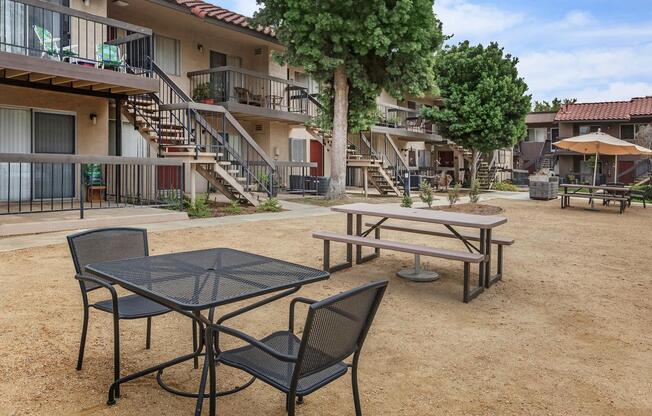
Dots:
pixel 615 110
pixel 202 9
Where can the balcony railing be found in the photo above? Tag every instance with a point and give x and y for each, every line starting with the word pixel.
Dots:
pixel 59 33
pixel 241 86
pixel 404 118
pixel 32 183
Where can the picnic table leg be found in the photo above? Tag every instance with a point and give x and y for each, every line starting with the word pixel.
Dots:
pixel 483 248
pixel 489 279
pixel 358 232
pixel 349 231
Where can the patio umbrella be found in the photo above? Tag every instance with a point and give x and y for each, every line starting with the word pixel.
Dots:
pixel 600 143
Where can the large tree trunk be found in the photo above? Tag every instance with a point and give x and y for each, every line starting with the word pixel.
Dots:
pixel 474 166
pixel 337 187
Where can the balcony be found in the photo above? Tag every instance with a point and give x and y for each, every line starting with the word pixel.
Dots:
pixel 48 46
pixel 406 123
pixel 249 93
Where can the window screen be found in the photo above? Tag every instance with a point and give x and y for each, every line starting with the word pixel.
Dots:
pixel 297 150
pixel 167 54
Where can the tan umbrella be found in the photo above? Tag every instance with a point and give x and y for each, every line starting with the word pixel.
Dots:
pixel 600 143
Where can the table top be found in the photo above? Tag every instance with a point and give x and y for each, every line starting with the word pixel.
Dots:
pixel 423 215
pixel 202 279
pixel 605 187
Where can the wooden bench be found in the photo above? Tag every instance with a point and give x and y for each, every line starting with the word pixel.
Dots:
pixel 465 257
pixel 500 242
pixel 565 199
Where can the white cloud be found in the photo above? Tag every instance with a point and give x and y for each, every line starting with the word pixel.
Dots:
pixel 616 91
pixel 468 20
pixel 245 7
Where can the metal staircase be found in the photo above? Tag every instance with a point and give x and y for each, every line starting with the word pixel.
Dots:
pixel 384 175
pixel 211 139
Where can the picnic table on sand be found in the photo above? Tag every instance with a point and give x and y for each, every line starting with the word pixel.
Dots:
pixel 481 232
pixel 606 193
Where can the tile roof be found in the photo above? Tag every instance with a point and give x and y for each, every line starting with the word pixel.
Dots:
pixel 202 9
pixel 615 110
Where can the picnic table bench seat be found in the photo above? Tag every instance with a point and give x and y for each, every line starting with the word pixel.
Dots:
pixel 624 200
pixel 465 257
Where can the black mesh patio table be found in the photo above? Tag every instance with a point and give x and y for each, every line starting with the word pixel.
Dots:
pixel 196 281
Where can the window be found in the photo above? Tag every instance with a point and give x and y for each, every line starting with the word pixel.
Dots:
pixel 635 131
pixel 538 134
pixel 167 54
pixel 627 132
pixel 588 129
pixel 297 150
pixel 554 134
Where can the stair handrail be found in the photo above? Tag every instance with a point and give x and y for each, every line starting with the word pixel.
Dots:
pixel 222 142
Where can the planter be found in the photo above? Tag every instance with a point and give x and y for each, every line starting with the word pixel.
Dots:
pixel 544 190
pixel 207 101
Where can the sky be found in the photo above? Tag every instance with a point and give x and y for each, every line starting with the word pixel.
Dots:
pixel 592 50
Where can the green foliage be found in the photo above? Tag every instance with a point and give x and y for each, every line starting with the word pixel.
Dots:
pixel 554 105
pixel 505 186
pixel 406 201
pixel 474 192
pixel 646 191
pixel 380 44
pixel 201 92
pixel 234 207
pixel 454 195
pixel 269 205
pixel 485 99
pixel 200 209
pixel 426 193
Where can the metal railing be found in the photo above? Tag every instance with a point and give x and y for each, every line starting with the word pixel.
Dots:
pixel 297 177
pixel 32 183
pixel 235 85
pixel 59 33
pixel 404 118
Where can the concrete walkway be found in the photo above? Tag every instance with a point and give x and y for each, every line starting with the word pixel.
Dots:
pixel 294 211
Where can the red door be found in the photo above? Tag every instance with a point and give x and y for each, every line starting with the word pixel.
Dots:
pixel 622 167
pixel 317 156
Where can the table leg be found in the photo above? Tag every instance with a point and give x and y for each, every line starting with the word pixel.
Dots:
pixel 210 358
pixel 483 242
pixel 349 231
pixel 358 232
pixel 488 281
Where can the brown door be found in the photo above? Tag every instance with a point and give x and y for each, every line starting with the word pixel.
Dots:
pixel 622 167
pixel 446 159
pixel 317 156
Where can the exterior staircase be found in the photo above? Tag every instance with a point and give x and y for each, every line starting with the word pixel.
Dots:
pixel 167 120
pixel 486 175
pixel 380 173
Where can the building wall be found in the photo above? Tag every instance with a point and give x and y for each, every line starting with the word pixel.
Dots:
pixel 91 139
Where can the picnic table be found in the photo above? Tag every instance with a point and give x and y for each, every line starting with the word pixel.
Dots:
pixel 356 236
pixel 193 284
pixel 606 193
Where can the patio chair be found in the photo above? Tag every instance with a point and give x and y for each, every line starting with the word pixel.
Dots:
pixel 334 330
pixel 50 45
pixel 247 97
pixel 104 245
pixel 109 57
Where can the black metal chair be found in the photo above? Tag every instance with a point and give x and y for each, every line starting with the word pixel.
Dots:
pixel 105 245
pixel 335 330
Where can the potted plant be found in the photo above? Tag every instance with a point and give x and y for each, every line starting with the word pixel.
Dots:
pixel 393 121
pixel 202 94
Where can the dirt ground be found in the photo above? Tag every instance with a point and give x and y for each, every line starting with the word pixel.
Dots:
pixel 567 332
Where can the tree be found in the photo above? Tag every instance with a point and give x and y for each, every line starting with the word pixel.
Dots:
pixel 356 48
pixel 554 105
pixel 485 101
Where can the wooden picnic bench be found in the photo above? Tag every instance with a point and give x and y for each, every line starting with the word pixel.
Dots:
pixel 500 242
pixel 463 256
pixel 605 193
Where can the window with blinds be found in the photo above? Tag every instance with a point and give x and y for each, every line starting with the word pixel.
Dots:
pixel 167 54
pixel 297 150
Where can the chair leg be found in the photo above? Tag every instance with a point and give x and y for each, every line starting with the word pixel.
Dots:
pixel 116 353
pixel 356 393
pixel 148 340
pixel 291 404
pixel 82 342
pixel 194 344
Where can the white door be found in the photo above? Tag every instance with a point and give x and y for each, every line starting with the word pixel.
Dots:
pixel 15 137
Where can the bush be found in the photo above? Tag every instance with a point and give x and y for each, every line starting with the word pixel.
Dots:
pixel 646 190
pixel 269 205
pixel 200 209
pixel 234 207
pixel 454 195
pixel 426 193
pixel 406 202
pixel 505 186
pixel 474 192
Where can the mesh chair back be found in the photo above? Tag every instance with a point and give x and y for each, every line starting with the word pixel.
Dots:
pixel 105 244
pixel 336 327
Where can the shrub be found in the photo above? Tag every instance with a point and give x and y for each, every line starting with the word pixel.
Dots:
pixel 200 209
pixel 269 205
pixel 454 195
pixel 474 192
pixel 406 201
pixel 505 186
pixel 426 193
pixel 234 207
pixel 646 190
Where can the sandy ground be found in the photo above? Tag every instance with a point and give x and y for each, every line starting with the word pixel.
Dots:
pixel 568 331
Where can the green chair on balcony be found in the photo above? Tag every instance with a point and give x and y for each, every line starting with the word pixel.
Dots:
pixel 50 45
pixel 109 57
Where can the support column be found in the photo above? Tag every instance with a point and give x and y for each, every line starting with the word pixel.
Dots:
pixel 193 194
pixel 118 147
pixel 365 175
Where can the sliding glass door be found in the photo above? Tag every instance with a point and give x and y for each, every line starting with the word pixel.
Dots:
pixel 53 133
pixel 15 137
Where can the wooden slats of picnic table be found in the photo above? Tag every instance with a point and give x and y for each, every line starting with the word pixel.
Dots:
pixel 423 215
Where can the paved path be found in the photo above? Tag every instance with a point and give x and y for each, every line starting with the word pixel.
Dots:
pixel 295 211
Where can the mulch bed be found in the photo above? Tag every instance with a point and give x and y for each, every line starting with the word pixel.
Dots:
pixel 220 209
pixel 479 209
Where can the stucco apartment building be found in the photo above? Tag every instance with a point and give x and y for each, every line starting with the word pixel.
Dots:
pixel 628 120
